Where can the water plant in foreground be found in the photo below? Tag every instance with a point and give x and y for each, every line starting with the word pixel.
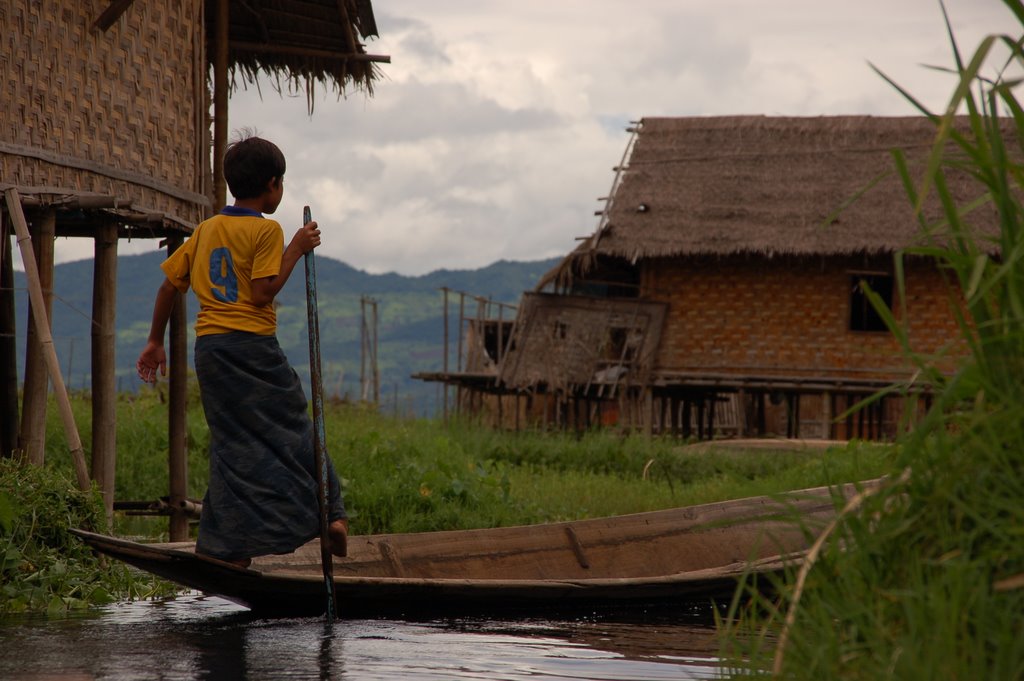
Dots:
pixel 42 566
pixel 925 578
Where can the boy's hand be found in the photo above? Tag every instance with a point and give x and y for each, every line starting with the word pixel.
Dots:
pixel 307 238
pixel 152 358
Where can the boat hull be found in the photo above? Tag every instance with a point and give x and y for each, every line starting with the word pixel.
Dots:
pixel 663 559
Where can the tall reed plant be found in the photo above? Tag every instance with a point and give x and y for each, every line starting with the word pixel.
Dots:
pixel 925 579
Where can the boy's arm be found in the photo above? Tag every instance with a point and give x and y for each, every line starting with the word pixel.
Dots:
pixel 153 356
pixel 265 289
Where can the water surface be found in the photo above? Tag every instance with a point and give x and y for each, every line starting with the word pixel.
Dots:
pixel 199 637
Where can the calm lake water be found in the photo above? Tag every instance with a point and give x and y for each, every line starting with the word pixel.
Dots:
pixel 198 637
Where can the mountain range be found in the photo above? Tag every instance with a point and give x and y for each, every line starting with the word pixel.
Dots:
pixel 410 321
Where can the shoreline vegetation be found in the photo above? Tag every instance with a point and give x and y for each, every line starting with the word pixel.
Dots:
pixel 925 578
pixel 397 476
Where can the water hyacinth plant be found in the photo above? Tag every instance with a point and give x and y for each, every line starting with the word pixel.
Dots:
pixel 925 579
pixel 42 566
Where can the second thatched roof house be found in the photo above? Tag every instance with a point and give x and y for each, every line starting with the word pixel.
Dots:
pixel 728 269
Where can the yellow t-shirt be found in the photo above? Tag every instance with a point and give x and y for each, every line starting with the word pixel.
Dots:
pixel 219 261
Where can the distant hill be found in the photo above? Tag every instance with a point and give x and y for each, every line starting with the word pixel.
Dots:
pixel 409 311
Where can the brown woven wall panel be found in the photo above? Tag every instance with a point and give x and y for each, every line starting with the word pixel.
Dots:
pixel 129 99
pixel 565 341
pixel 787 317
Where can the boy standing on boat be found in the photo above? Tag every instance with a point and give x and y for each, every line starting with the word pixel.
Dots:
pixel 262 494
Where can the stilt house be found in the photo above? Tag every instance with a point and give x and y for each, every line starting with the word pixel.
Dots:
pixel 723 290
pixel 105 133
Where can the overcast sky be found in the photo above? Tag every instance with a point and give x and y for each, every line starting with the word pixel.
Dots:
pixel 496 126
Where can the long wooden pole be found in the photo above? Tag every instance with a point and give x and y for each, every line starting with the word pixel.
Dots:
pixel 35 292
pixel 319 438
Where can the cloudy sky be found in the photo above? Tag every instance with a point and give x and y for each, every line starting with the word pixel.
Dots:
pixel 496 126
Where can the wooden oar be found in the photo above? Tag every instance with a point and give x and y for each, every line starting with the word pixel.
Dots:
pixel 319 439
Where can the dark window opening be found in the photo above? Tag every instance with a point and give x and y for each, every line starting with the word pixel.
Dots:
pixel 624 344
pixel 863 316
pixel 610 278
pixel 497 337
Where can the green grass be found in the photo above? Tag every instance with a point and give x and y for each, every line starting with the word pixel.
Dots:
pixel 397 476
pixel 419 475
pixel 42 566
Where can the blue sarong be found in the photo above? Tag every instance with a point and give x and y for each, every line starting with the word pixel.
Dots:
pixel 263 481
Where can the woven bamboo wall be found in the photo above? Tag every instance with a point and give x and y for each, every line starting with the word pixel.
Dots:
pixel 790 317
pixel 121 112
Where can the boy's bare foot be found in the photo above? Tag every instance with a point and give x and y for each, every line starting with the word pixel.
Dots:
pixel 240 562
pixel 338 534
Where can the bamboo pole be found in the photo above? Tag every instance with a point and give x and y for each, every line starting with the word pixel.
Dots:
pixel 220 103
pixel 375 366
pixel 319 434
pixel 444 319
pixel 104 385
pixel 35 292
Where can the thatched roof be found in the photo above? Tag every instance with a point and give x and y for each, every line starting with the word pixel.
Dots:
pixel 305 41
pixel 763 185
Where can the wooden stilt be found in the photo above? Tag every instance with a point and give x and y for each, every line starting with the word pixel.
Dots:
pixel 701 409
pixel 826 415
pixel 33 408
pixel 712 404
pixel 741 413
pixel 762 416
pixel 849 418
pixel 796 416
pixel 501 410
pixel 9 426
pixel 177 459
pixel 104 382
pixel 444 320
pixel 45 339
pixel 648 412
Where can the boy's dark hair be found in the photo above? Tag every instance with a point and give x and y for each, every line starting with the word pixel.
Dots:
pixel 250 162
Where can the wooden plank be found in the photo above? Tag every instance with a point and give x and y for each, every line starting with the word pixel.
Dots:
pixel 577 547
pixel 103 169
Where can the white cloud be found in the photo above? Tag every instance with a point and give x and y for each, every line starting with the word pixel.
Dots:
pixel 497 124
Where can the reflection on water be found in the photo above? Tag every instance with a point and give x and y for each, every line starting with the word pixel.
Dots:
pixel 195 637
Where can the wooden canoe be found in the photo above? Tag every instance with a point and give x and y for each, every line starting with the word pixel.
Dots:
pixel 672 557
